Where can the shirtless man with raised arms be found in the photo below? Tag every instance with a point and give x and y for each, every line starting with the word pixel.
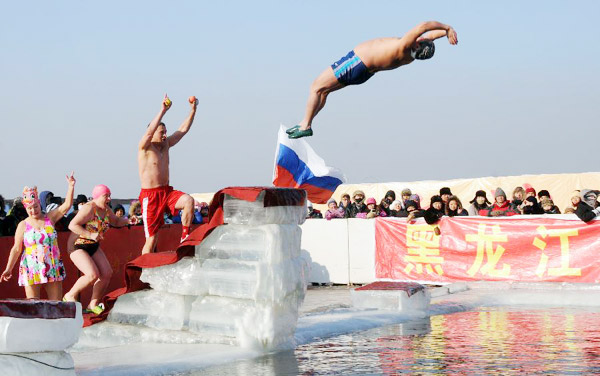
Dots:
pixel 367 59
pixel 153 162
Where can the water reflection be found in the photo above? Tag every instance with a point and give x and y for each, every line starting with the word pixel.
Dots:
pixel 490 341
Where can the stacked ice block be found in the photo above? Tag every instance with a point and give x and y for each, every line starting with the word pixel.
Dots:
pixel 244 286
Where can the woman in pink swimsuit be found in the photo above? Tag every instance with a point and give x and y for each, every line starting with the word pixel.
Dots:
pixel 41 263
pixel 89 226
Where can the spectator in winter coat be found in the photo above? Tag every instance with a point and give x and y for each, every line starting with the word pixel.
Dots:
pixel 373 211
pixel 575 200
pixel 518 197
pixel 384 205
pixel 312 212
pixel 406 193
pixel 411 212
pixel 531 206
pixel 455 207
pixel 445 194
pixel 480 205
pixel 529 190
pixel 358 206
pixel 390 196
pixel 395 208
pixel 417 199
pixel 135 210
pixel 15 215
pixel 119 211
pixel 502 206
pixel 345 204
pixel 549 207
pixel 435 211
pixel 543 194
pixel 586 209
pixel 333 210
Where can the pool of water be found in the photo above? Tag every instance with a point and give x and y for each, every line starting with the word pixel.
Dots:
pixel 498 340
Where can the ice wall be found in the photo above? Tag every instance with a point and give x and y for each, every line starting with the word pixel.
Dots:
pixel 243 287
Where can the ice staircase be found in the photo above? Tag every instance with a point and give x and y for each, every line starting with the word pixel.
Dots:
pixel 243 287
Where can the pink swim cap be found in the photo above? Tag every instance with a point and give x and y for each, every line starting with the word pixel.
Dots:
pixel 100 190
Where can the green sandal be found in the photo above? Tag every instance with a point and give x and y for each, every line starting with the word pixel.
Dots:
pixel 96 310
pixel 301 133
pixel 292 129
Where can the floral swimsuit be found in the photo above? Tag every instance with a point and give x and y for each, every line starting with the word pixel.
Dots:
pixel 40 261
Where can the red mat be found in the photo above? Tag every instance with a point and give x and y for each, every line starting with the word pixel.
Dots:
pixel 133 269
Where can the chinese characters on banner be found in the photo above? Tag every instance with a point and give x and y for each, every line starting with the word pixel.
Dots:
pixel 492 249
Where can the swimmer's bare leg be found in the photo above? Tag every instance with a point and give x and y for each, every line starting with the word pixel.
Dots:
pixel 150 245
pixel 320 88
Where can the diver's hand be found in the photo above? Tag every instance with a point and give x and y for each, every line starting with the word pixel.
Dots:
pixel 452 37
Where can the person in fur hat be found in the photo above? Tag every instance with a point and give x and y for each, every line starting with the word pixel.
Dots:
pixel 549 207
pixel 480 205
pixel 358 205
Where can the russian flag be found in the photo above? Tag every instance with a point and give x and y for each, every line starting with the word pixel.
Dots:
pixel 298 166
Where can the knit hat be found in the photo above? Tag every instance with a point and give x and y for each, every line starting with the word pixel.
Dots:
pixel 547 201
pixel 529 189
pixel 575 193
pixel 445 191
pixel 330 201
pixel 406 192
pixel 480 193
pixel 417 199
pixel 499 192
pixel 371 200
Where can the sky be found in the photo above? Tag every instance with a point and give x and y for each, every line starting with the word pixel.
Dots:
pixel 519 94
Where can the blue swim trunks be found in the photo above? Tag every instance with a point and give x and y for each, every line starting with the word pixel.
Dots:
pixel 350 70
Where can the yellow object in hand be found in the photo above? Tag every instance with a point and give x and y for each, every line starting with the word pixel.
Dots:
pixel 167 102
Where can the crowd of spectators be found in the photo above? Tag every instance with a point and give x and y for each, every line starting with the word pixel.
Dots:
pixel 16 213
pixel 524 201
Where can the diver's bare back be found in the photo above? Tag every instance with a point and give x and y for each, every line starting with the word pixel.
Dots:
pixel 153 164
pixel 384 53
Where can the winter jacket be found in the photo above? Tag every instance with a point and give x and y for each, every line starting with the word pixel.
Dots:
pixel 337 213
pixel 482 210
pixel 457 213
pixel 504 210
pixel 585 212
pixel 314 214
pixel 355 208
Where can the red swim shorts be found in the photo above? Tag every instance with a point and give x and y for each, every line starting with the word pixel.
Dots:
pixel 154 203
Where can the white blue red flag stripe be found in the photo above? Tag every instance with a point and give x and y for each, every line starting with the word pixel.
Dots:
pixel 298 166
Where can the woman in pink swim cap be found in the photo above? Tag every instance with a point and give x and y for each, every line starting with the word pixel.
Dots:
pixel 89 226
pixel 36 241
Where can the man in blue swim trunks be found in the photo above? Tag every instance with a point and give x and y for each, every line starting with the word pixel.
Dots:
pixel 367 59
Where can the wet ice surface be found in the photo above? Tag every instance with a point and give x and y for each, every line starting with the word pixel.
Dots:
pixel 332 338
pixel 502 340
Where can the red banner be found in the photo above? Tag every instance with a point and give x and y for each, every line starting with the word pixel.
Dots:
pixel 478 248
